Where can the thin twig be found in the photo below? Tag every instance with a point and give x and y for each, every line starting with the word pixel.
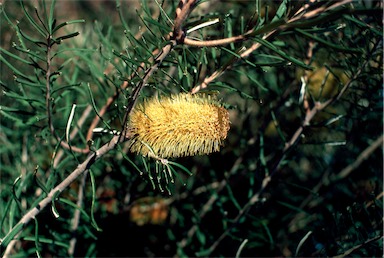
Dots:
pixel 31 214
pixel 182 12
pixel 301 15
pixel 208 205
pixel 148 73
pixel 363 156
pixel 294 139
pixel 349 251
pixel 48 87
pixel 76 215
pixel 80 122
pixel 327 179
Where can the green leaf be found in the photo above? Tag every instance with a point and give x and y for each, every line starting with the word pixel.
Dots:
pixel 38 182
pixel 68 36
pixel 282 53
pixel 39 29
pixel 10 235
pixel 186 170
pixel 280 13
pixel 93 184
pixel 362 24
pixel 14 69
pixel 201 237
pixel 14 56
pixel 51 20
pixel 204 253
pixel 76 207
pixel 37 243
pixel 47 241
pixel 36 41
pixel 253 79
pixel 53 204
pixel 329 44
pixel 61 25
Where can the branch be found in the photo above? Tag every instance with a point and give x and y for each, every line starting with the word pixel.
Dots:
pixel 148 73
pixel 83 167
pixel 363 156
pixel 299 16
pixel 182 12
pixel 207 206
pixel 76 216
pixel 294 139
pixel 348 252
pixel 95 155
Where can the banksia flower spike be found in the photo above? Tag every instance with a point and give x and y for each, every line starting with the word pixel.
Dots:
pixel 178 125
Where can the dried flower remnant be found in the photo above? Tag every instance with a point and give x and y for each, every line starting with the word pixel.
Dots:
pixel 178 125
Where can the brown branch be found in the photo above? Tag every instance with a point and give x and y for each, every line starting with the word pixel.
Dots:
pixel 294 139
pixel 83 167
pixel 219 72
pixel 363 156
pixel 148 73
pixel 76 216
pixel 300 15
pixel 48 87
pixel 207 206
pixel 182 15
pixel 349 251
pixel 182 12
pixel 95 155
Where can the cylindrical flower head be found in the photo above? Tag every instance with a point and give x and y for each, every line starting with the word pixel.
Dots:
pixel 178 125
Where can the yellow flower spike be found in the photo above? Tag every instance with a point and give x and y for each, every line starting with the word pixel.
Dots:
pixel 178 125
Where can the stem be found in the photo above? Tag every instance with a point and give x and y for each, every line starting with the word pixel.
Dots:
pixel 48 87
pixel 83 167
pixel 76 216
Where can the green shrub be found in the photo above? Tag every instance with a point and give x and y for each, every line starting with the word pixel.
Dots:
pixel 300 173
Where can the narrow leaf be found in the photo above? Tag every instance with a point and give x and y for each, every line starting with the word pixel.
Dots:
pixel 33 22
pixel 93 184
pixel 70 118
pixel 282 53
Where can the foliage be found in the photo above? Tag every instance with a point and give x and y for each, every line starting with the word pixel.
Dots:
pixel 301 170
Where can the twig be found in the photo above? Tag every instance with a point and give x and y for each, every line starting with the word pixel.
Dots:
pixel 76 216
pixel 148 73
pixel 74 132
pixel 363 156
pixel 48 103
pixel 95 155
pixel 31 214
pixel 207 206
pixel 182 12
pixel 327 179
pixel 300 15
pixel 348 252
pixel 294 139
pixel 48 87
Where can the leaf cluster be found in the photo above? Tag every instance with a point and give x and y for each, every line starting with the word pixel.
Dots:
pixel 286 183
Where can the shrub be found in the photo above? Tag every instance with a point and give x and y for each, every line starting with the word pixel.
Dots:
pixel 300 172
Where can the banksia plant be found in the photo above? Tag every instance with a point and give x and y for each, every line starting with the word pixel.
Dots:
pixel 179 125
pixel 306 83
